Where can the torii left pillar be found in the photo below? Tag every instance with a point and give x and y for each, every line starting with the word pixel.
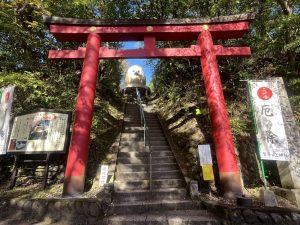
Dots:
pixel 79 147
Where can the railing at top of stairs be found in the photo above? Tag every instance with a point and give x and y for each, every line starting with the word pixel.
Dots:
pixel 146 136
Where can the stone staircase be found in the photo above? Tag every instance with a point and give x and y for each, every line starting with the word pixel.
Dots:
pixel 132 177
pixel 132 197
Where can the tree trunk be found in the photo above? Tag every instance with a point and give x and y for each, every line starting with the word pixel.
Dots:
pixel 291 55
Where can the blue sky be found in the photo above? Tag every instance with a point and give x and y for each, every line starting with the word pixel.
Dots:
pixel 148 68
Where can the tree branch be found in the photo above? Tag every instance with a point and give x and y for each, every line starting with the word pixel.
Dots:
pixel 284 4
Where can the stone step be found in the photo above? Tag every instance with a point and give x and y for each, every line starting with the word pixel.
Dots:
pixel 143 160
pixel 165 167
pixel 133 113
pixel 153 122
pixel 132 148
pixel 136 120
pixel 135 154
pixel 133 129
pixel 165 159
pixel 132 124
pixel 132 106
pixel 145 167
pixel 145 184
pixel 156 134
pixel 132 137
pixel 128 110
pixel 133 160
pixel 137 132
pixel 153 125
pixel 133 168
pixel 150 206
pixel 157 138
pixel 158 143
pixel 155 129
pixel 151 118
pixel 168 174
pixel 132 143
pixel 151 115
pixel 177 217
pixel 161 153
pixel 160 148
pixel 131 185
pixel 144 195
pixel 132 134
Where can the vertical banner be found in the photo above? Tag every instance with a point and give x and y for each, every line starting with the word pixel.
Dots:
pixel 6 97
pixel 270 131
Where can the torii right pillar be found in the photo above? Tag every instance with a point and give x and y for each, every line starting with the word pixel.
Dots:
pixel 222 135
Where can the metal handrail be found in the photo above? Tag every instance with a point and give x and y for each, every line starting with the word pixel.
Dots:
pixel 146 139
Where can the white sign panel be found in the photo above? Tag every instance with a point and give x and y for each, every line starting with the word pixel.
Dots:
pixel 271 134
pixel 103 175
pixel 6 97
pixel 204 154
pixel 39 132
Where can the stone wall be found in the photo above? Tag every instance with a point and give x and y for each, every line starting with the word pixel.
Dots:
pixel 70 211
pixel 289 171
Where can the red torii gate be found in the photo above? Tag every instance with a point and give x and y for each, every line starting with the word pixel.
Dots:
pixel 93 32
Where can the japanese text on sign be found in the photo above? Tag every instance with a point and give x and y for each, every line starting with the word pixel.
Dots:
pixel 271 134
pixel 103 175
pixel 39 132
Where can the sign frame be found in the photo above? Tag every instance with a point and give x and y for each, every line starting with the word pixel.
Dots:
pixel 40 110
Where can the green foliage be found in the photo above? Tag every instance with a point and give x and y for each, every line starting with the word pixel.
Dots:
pixel 273 38
pixel 31 91
pixel 41 83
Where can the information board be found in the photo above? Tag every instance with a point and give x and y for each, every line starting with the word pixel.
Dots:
pixel 40 132
pixel 271 136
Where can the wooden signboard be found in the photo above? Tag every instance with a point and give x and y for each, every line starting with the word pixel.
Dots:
pixel 42 131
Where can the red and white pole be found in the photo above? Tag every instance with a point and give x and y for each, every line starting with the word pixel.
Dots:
pixel 79 147
pixel 226 157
